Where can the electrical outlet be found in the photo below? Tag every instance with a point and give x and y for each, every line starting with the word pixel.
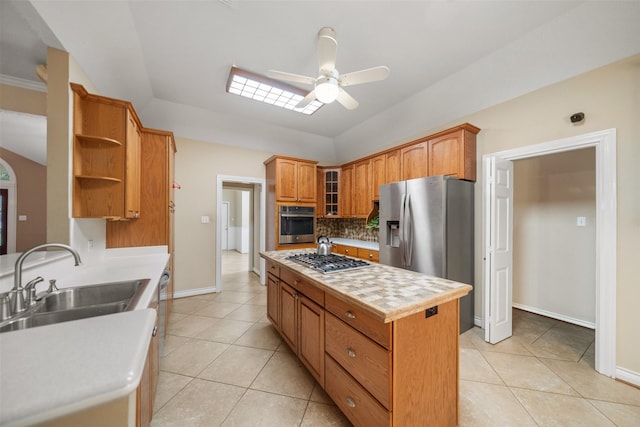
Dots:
pixel 581 221
pixel 204 219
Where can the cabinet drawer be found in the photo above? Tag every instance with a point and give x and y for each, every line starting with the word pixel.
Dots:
pixel 360 357
pixel 373 328
pixel 369 255
pixel 273 268
pixel 353 400
pixel 302 285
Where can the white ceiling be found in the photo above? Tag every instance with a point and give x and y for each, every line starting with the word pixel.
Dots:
pixel 447 59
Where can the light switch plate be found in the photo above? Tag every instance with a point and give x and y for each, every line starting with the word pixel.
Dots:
pixel 581 221
pixel 204 219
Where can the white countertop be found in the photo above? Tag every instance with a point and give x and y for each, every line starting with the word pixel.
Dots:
pixel 51 371
pixel 374 246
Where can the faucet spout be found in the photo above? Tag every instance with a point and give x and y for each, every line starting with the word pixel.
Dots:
pixel 18 301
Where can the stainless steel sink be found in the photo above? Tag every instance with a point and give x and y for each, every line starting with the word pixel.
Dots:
pixel 68 298
pixel 41 319
pixel 79 303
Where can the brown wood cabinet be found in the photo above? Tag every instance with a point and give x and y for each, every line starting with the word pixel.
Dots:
pixel 132 168
pixel 328 192
pixel 454 154
pixel 378 175
pixel 365 254
pixel 401 373
pixel 392 166
pixel 298 316
pixel 106 162
pixel 346 192
pixel 295 179
pixel 363 201
pixel 368 254
pixel 155 226
pixel 414 161
pixel 146 391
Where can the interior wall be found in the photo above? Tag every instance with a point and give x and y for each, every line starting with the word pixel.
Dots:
pixel 31 190
pixel 198 165
pixel 554 259
pixel 29 101
pixel 610 98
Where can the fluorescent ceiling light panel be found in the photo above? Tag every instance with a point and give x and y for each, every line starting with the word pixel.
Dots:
pixel 273 92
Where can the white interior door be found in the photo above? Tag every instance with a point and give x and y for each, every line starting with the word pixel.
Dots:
pixel 499 249
pixel 225 226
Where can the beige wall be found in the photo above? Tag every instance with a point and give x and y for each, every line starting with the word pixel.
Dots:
pixel 31 186
pixel 23 100
pixel 58 137
pixel 553 259
pixel 610 98
pixel 198 165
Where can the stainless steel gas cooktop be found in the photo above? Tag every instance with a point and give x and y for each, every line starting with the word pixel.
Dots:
pixel 328 263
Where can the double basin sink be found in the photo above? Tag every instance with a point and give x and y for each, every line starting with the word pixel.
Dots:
pixel 79 303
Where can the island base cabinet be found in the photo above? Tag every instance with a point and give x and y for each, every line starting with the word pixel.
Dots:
pixel 425 368
pixel 311 344
pixel 352 399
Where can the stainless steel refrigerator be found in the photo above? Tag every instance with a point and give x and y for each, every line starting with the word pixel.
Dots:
pixel 426 225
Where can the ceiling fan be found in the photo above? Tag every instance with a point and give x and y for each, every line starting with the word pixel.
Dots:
pixel 328 86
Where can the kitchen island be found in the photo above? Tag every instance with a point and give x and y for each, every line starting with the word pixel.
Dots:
pixel 381 341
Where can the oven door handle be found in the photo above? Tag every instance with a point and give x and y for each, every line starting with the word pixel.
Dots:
pixel 296 216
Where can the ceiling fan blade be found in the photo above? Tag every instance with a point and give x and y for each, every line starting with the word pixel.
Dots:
pixel 346 100
pixel 311 96
pixel 364 76
pixel 327 50
pixel 281 75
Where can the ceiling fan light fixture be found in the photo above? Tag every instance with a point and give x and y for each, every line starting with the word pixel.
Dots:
pixel 326 89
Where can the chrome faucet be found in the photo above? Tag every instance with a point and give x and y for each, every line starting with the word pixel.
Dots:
pixel 18 290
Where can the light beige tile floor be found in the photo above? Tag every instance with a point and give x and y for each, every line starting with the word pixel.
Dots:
pixel 225 365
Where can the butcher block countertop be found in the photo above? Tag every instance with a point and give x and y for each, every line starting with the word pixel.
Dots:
pixel 387 293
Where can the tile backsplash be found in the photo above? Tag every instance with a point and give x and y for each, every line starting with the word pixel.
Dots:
pixel 347 228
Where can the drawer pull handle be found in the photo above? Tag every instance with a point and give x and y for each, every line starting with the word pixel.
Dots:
pixel 370 256
pixel 155 331
pixel 351 352
pixel 295 282
pixel 350 314
pixel 350 403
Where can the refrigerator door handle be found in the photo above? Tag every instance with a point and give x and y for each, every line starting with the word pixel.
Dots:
pixel 402 229
pixel 408 232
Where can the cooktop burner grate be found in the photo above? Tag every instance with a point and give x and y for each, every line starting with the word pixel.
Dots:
pixel 328 263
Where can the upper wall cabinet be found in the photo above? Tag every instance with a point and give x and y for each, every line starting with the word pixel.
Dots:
pixel 378 175
pixel 362 189
pixel 328 192
pixel 454 154
pixel 106 157
pixel 413 159
pixel 346 191
pixel 295 179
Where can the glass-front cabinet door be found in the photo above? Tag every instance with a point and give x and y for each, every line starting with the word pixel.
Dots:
pixel 331 196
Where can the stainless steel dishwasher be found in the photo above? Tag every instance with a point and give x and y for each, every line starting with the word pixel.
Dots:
pixel 162 307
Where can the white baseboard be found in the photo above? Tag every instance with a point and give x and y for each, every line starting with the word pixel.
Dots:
pixel 556 316
pixel 193 292
pixel 477 320
pixel 628 376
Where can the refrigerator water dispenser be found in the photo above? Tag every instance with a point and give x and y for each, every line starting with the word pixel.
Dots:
pixel 393 234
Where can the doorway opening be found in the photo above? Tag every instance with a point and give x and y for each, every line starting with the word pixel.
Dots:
pixel 240 227
pixel 498 239
pixel 9 215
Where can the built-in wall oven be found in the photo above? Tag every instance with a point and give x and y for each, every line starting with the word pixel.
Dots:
pixel 296 224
